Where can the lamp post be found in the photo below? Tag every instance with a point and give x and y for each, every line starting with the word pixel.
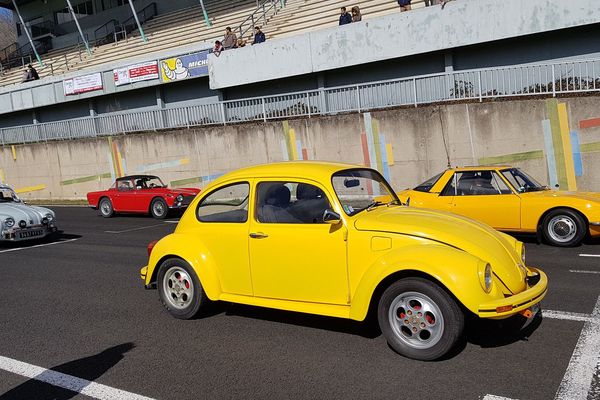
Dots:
pixel 137 21
pixel 85 42
pixel 39 59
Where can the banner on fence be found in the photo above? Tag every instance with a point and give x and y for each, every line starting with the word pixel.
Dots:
pixel 83 84
pixel 183 67
pixel 136 73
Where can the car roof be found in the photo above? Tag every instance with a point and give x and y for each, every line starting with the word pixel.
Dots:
pixel 315 170
pixel 481 168
pixel 124 178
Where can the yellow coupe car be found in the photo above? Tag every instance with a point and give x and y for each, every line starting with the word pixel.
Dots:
pixel 334 240
pixel 508 199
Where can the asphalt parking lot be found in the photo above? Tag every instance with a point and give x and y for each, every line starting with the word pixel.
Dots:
pixel 74 313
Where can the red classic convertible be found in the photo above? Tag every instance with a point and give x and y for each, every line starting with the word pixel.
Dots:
pixel 145 194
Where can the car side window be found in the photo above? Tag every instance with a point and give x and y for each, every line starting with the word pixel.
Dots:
pixel 450 189
pixel 478 183
pixel 290 203
pixel 228 204
pixel 124 186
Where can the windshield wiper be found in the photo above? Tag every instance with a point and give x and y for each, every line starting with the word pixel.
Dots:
pixel 373 205
pixel 396 202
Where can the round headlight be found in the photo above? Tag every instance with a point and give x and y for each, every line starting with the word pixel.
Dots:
pixel 179 198
pixel 45 221
pixel 49 217
pixel 9 222
pixel 485 277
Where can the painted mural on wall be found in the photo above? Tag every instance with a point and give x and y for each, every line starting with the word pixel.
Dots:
pixel 562 148
pixel 377 153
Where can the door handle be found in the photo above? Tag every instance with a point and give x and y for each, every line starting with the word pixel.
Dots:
pixel 258 235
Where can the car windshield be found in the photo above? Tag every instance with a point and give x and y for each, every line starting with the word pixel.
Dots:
pixel 521 181
pixel 428 184
pixel 8 196
pixel 362 189
pixel 149 182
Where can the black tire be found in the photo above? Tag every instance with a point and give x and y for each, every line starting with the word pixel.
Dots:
pixel 564 228
pixel 422 336
pixel 159 208
pixel 106 208
pixel 175 271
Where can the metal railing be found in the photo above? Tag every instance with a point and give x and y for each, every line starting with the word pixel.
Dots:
pixel 130 25
pixel 470 85
pixel 260 15
pixel 106 33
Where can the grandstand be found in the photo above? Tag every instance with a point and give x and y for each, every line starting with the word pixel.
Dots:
pixel 184 27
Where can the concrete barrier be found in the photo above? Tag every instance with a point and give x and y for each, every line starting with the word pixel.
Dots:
pixel 556 141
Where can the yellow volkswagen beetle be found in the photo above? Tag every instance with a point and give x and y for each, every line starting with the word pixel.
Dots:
pixel 334 240
pixel 508 199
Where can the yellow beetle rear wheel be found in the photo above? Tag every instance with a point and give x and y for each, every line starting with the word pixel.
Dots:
pixel 419 319
pixel 180 290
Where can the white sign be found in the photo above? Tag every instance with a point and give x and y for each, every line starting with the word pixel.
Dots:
pixel 83 84
pixel 136 73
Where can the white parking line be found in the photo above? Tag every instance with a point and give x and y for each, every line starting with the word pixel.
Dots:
pixel 589 255
pixel 579 377
pixel 584 272
pixel 134 229
pixel 83 386
pixel 570 316
pixel 492 397
pixel 38 245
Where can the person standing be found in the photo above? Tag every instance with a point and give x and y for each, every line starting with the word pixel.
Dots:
pixel 259 36
pixel 345 17
pixel 230 39
pixel 404 5
pixel 356 15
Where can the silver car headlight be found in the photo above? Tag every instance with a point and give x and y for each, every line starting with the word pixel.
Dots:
pixel 9 222
pixel 49 217
pixel 179 198
pixel 485 276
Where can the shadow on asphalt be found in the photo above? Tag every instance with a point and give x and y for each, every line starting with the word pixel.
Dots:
pixel 89 368
pixel 57 237
pixel 496 333
pixel 367 329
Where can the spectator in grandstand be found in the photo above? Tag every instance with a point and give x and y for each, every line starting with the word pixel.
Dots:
pixel 218 48
pixel 33 73
pixel 404 5
pixel 345 17
pixel 240 43
pixel 259 36
pixel 356 15
pixel 230 39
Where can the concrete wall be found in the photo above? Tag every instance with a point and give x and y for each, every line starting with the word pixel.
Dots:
pixel 413 143
pixel 459 24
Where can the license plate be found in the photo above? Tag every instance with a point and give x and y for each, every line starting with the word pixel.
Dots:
pixel 30 234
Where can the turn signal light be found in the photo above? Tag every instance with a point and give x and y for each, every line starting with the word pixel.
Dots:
pixel 504 309
pixel 151 246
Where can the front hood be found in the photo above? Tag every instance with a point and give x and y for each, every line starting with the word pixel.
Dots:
pixel 585 196
pixel 23 212
pixel 475 238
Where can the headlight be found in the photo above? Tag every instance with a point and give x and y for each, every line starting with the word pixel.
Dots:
pixel 485 277
pixel 9 222
pixel 50 217
pixel 179 198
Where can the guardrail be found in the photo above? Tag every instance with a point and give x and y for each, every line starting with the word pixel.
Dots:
pixel 472 85
pixel 260 15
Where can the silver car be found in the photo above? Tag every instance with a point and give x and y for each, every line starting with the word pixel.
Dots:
pixel 19 221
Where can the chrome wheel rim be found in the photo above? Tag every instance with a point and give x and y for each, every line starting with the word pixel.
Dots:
pixel 105 208
pixel 178 288
pixel 158 208
pixel 416 320
pixel 562 228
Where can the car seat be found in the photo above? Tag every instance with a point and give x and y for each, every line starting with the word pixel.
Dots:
pixel 311 204
pixel 276 201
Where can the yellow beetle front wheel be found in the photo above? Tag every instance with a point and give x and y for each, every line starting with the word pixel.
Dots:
pixel 419 319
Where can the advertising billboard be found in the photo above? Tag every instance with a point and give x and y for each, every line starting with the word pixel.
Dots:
pixel 184 67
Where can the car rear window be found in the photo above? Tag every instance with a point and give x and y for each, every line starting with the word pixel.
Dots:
pixel 428 184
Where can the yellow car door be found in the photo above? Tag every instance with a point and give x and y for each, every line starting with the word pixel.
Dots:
pixel 486 197
pixel 223 228
pixel 294 255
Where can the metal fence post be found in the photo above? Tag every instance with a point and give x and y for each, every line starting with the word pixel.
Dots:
pixel 358 98
pixel 308 103
pixel 187 117
pixel 415 91
pixel 223 113
pixel 122 119
pixel 264 109
pixel 479 83
pixel 553 82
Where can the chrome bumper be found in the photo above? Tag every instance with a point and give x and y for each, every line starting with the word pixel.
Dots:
pixel 31 233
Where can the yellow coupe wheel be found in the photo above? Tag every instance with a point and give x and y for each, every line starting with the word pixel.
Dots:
pixel 564 228
pixel 419 319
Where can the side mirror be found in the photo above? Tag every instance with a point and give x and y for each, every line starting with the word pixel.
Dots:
pixel 331 217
